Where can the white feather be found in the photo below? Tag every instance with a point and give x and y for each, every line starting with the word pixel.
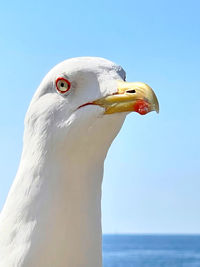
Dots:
pixel 52 216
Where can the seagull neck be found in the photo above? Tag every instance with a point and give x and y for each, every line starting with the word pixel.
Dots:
pixel 60 203
pixel 80 195
pixel 53 210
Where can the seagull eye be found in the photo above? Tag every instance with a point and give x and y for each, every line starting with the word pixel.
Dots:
pixel 62 85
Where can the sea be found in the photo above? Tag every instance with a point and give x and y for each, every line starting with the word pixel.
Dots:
pixel 151 250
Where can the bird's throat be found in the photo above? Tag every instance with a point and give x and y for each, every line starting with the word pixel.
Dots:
pixel 57 213
pixel 52 216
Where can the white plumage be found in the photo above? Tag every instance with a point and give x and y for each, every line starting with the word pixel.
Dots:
pixel 52 216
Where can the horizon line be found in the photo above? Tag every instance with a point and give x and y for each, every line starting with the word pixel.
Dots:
pixel 131 233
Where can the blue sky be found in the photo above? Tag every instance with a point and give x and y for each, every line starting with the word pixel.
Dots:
pixel 152 172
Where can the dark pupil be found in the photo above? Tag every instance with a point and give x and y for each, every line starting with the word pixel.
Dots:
pixel 62 84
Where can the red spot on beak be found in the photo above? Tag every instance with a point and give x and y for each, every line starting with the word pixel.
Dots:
pixel 142 107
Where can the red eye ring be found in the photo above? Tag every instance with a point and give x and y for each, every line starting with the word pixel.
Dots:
pixel 65 80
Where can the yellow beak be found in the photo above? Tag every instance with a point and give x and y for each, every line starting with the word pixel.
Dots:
pixel 135 96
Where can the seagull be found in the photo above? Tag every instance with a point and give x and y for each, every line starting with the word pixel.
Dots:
pixel 52 215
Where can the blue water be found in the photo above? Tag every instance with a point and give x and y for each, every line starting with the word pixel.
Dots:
pixel 151 250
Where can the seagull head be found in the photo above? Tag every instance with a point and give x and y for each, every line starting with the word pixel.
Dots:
pixel 85 97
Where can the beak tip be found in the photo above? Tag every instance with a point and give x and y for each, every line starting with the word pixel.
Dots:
pixel 154 105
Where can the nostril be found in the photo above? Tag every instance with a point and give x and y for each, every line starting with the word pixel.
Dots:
pixel 131 91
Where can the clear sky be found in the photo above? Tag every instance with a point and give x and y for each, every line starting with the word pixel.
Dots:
pixel 152 172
